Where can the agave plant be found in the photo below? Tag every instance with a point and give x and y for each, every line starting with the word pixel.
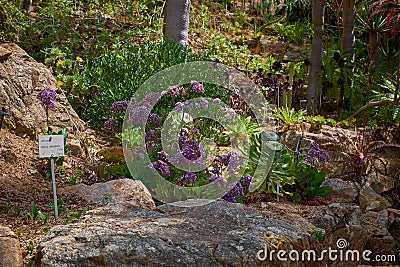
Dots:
pixel 289 117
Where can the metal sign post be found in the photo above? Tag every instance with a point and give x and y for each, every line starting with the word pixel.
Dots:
pixel 53 181
pixel 52 146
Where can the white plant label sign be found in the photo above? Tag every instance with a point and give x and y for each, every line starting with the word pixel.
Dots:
pixel 51 146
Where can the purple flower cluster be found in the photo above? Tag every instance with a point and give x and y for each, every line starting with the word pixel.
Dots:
pixel 231 159
pixel 152 145
pixel 196 87
pixel 110 124
pixel 163 156
pixel 246 181
pixel 315 152
pixel 154 118
pixel 46 95
pixel 162 166
pixel 151 135
pixel 175 91
pixel 187 180
pixel 230 113
pixel 204 103
pixel 119 107
pixel 234 191
pixel 191 149
pixel 217 101
pixel 138 115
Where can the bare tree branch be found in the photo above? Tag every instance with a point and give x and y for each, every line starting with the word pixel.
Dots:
pixel 371 105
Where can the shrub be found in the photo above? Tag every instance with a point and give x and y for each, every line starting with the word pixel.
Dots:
pixel 117 74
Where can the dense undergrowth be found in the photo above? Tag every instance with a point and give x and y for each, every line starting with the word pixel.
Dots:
pixel 101 52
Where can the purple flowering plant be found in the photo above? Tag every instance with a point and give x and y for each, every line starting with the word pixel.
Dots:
pixel 190 137
pixel 294 175
pixel 46 96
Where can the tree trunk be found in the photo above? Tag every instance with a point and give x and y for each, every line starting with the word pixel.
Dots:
pixel 28 5
pixel 176 20
pixel 348 37
pixel 318 7
pixel 347 49
pixel 373 49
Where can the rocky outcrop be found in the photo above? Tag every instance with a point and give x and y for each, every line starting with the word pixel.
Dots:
pixel 343 221
pixel 379 238
pixel 21 78
pixel 126 191
pixel 342 191
pixel 217 234
pixel 10 250
pixel 372 201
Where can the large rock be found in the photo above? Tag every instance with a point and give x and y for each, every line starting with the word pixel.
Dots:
pixel 343 221
pixel 4 53
pixel 372 201
pixel 380 183
pixel 10 250
pixel 116 191
pixel 342 191
pixel 217 234
pixel 377 227
pixel 21 78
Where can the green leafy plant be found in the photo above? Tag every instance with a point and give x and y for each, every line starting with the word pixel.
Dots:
pixel 60 203
pixel 31 246
pixel 43 217
pixel 289 117
pixel 7 206
pixel 80 213
pixel 34 212
pixel 295 33
pixel 72 180
pixel 318 235
pixel 119 73
pixel 117 170
pixel 318 121
pixel 293 175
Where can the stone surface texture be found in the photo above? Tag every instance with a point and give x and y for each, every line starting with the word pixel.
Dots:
pixel 21 78
pixel 116 191
pixel 217 234
pixel 10 250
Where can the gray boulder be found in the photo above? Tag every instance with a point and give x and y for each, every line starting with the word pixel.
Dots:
pixel 342 191
pixel 115 191
pixel 217 234
pixel 377 227
pixel 343 221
